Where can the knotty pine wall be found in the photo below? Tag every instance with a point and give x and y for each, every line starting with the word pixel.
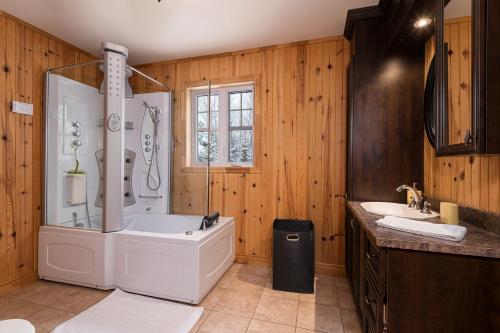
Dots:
pixel 25 54
pixel 300 134
pixel 472 181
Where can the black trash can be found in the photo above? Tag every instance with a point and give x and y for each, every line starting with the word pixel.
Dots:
pixel 293 256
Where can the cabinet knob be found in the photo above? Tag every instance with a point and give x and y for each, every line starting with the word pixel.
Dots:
pixel 468 137
pixel 368 301
pixel 370 256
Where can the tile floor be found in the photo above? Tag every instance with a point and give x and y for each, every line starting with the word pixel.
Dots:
pixel 242 301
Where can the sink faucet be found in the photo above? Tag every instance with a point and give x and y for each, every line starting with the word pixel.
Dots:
pixel 417 198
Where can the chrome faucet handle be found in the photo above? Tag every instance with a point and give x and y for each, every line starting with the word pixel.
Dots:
pixel 425 208
pixel 412 203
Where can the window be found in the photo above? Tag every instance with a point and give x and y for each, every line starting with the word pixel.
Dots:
pixel 231 126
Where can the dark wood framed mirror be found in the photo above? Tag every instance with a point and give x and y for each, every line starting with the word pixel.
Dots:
pixel 430 107
pixel 467 71
pixel 458 68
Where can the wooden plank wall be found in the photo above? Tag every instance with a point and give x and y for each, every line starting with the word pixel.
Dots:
pixel 472 181
pixel 25 54
pixel 300 134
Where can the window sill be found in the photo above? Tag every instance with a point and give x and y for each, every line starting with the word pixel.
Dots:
pixel 221 169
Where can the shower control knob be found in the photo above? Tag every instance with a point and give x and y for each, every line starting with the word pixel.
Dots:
pixel 147 149
pixel 148 143
pixel 77 143
pixel 76 124
pixel 126 178
pixel 76 133
pixel 147 136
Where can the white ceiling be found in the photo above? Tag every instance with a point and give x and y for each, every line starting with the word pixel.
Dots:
pixel 175 29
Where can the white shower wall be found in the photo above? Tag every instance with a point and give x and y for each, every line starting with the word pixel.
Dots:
pixel 70 101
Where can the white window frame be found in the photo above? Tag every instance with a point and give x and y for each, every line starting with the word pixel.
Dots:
pixel 224 126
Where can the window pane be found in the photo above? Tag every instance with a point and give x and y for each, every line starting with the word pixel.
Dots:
pixel 235 119
pixel 240 146
pixel 247 100
pixel 247 118
pixel 214 117
pixel 214 103
pixel 235 101
pixel 202 120
pixel 202 103
pixel 202 142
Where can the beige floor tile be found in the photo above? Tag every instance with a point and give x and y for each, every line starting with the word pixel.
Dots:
pixel 325 280
pixel 342 282
pixel 57 295
pixel 213 297
pixel 47 319
pixel 81 300
pixel 224 323
pixel 277 310
pixel 325 293
pixel 250 281
pixel 350 321
pixel 259 326
pixel 239 302
pixel 318 317
pixel 26 292
pixel 227 279
pixel 235 268
pixel 254 269
pixel 346 300
pixel 200 321
pixel 268 291
pixel 11 308
pixel 303 330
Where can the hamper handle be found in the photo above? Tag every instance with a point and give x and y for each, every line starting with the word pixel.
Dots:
pixel 292 237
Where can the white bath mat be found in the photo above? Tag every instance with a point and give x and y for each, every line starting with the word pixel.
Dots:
pixel 122 312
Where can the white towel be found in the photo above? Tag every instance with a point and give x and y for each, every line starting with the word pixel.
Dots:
pixel 446 231
pixel 122 312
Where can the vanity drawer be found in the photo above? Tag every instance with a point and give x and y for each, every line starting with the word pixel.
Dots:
pixel 372 256
pixel 375 265
pixel 373 303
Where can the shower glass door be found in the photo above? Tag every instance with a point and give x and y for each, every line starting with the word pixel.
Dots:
pixel 74 111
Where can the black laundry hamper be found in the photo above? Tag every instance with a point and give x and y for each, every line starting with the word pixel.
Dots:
pixel 293 256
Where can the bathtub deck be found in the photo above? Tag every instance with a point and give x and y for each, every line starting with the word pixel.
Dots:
pixel 242 301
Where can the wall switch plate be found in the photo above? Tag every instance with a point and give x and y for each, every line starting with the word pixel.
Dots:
pixel 23 108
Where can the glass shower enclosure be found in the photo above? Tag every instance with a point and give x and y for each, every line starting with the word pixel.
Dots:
pixel 77 156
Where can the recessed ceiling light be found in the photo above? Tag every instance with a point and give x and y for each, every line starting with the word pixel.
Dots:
pixel 422 22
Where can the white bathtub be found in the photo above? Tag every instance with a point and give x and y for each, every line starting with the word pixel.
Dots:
pixel 152 256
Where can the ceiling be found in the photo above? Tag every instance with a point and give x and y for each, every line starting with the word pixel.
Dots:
pixel 173 29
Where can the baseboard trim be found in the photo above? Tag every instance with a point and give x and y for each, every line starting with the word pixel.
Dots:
pixel 321 268
pixel 18 283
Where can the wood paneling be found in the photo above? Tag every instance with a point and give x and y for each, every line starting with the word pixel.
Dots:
pixel 300 130
pixel 472 181
pixel 25 53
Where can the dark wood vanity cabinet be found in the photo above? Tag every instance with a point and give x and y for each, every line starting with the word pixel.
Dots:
pixel 410 291
pixel 365 267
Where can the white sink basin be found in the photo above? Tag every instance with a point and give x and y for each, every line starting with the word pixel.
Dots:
pixel 395 209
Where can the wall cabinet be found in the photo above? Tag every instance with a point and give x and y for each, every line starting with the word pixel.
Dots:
pixel 467 72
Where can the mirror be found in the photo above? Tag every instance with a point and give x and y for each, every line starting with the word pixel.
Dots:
pixel 430 98
pixel 457 50
pixel 455 46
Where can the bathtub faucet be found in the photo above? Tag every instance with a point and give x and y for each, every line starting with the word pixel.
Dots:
pixel 208 220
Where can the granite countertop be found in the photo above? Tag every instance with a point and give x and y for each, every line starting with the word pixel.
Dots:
pixel 478 242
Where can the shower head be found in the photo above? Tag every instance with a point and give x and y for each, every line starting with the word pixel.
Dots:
pixel 128 88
